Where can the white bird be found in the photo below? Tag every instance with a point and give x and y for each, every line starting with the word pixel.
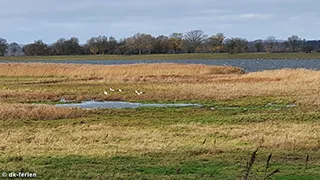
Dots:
pixel 119 90
pixel 137 92
pixel 105 92
pixel 63 100
pixel 111 89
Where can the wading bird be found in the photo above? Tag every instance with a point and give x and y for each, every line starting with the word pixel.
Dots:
pixel 138 92
pixel 119 90
pixel 111 89
pixel 105 92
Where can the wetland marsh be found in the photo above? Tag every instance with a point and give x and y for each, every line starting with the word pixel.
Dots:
pixel 275 111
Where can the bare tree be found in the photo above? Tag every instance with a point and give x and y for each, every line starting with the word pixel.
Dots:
pixel 112 45
pixel 193 39
pixel 98 45
pixel 122 47
pixel 14 49
pixel 58 47
pixel 161 44
pixel 38 48
pixel 258 45
pixel 294 43
pixel 141 43
pixel 103 44
pixel 66 47
pixel 3 46
pixel 216 42
pixel 93 45
pixel 270 43
pixel 175 41
pixel 204 47
pixel 85 50
pixel 236 45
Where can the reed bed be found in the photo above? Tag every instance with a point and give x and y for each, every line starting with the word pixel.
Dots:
pixel 177 134
pixel 37 112
pixel 112 71
pixel 160 82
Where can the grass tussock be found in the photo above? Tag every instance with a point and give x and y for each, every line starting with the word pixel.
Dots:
pixel 113 71
pixel 37 112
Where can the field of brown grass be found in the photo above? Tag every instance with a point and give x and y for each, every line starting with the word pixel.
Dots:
pixel 113 71
pixel 36 112
pixel 165 82
pixel 241 112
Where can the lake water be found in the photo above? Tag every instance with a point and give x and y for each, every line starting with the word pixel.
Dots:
pixel 249 65
pixel 120 105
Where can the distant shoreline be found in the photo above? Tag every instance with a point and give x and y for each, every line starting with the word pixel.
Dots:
pixel 196 56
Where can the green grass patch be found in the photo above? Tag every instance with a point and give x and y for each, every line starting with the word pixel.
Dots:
pixel 148 167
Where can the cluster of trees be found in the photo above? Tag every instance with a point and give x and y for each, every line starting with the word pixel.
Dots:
pixel 191 42
pixel 12 49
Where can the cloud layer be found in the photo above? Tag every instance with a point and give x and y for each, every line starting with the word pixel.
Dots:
pixel 25 21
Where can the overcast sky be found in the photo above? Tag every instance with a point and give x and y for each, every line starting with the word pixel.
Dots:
pixel 24 21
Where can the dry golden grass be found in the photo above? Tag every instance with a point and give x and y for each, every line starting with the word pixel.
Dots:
pixel 143 132
pixel 37 112
pixel 101 139
pixel 113 71
pixel 160 82
pixel 301 85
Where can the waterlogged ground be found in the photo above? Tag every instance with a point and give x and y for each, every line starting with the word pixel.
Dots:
pixel 275 112
pixel 117 105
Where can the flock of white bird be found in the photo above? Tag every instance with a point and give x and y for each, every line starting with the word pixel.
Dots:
pixel 120 90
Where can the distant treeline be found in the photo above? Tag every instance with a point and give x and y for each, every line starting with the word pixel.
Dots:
pixel 191 42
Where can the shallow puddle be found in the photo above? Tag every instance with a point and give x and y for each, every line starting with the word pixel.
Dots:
pixel 120 105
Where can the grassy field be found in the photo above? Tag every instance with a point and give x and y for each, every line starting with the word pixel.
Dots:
pixel 201 56
pixel 275 112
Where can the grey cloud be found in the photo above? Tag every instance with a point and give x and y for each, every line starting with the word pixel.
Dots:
pixel 50 19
